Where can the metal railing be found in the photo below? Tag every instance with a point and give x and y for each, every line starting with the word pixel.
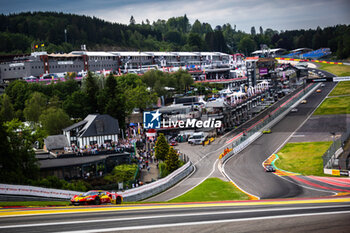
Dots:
pixel 272 116
pixel 243 139
pixel 331 158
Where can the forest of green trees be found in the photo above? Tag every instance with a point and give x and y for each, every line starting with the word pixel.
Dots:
pixel 19 32
pixel 48 109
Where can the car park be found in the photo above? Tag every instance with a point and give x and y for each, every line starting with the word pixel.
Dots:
pixel 96 197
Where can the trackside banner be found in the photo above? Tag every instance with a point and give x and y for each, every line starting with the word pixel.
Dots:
pixel 339 79
pixel 25 190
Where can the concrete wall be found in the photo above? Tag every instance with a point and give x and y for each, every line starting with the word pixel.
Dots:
pixel 148 190
pixel 294 102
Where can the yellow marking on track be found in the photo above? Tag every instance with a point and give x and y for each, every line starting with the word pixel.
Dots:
pixel 285 173
pixel 278 172
pixel 342 194
pixel 251 197
pixel 195 205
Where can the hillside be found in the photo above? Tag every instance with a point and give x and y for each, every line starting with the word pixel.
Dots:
pixel 19 32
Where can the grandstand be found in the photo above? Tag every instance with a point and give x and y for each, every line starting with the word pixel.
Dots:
pixel 303 53
pixel 293 55
pixel 297 52
pixel 316 54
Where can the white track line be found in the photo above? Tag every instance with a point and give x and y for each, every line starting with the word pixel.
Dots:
pixel 295 104
pixel 279 148
pixel 285 142
pixel 205 222
pixel 175 186
pixel 224 173
pixel 168 216
pixel 212 171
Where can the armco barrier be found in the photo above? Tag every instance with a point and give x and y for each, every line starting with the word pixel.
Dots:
pixel 242 140
pixel 25 190
pixel 241 146
pixel 148 190
pixel 135 194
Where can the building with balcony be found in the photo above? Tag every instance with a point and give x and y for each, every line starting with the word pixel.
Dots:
pixel 94 129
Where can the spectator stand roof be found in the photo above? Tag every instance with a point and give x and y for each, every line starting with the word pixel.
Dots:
pixel 56 142
pixel 78 160
pixel 268 51
pixel 96 125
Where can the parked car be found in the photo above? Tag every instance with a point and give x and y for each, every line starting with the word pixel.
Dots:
pixel 173 143
pixel 96 197
pixel 30 79
pixel 303 101
pixel 197 138
pixel 318 90
pixel 294 110
pixel 49 76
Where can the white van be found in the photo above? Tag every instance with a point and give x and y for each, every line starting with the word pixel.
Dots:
pixel 197 138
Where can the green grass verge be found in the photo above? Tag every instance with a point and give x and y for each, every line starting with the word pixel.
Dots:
pixel 303 157
pixel 336 105
pixel 34 203
pixel 342 88
pixel 212 189
pixel 338 70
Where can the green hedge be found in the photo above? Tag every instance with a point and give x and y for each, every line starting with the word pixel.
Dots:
pixel 163 172
pixel 122 173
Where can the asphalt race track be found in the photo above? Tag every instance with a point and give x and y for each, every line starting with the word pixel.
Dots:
pixel 204 159
pixel 319 215
pixel 273 214
pixel 246 170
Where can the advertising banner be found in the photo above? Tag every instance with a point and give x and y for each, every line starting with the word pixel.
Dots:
pixel 335 172
pixel 27 190
pixel 263 71
pixel 344 173
pixel 339 79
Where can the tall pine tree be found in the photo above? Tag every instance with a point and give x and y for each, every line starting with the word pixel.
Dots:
pixel 91 89
pixel 161 148
pixel 172 161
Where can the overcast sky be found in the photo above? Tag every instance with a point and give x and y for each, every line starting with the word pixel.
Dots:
pixel 275 14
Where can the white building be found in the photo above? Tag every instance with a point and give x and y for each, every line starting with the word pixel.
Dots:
pixel 94 129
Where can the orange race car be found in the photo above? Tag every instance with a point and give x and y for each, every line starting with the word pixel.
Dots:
pixel 96 197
